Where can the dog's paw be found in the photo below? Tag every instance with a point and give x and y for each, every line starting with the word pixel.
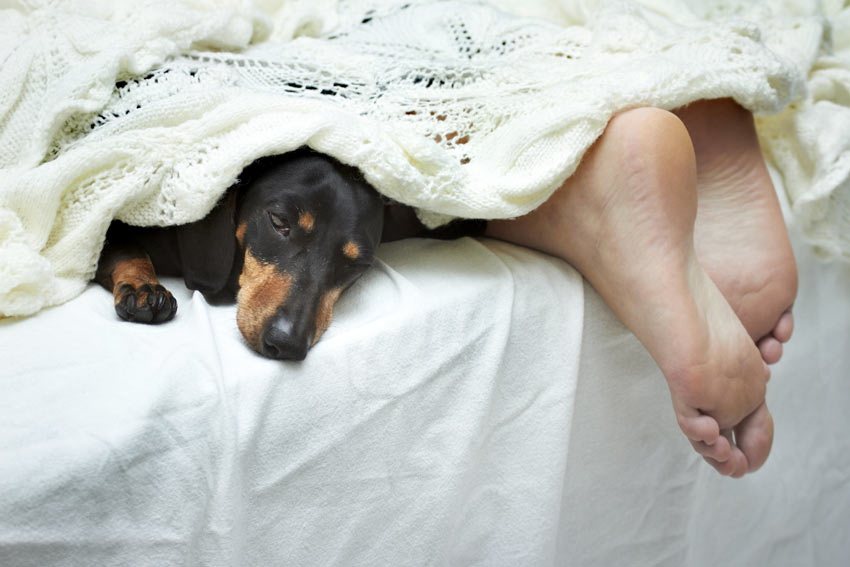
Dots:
pixel 144 303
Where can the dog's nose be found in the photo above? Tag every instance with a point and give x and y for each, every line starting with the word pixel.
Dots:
pixel 282 342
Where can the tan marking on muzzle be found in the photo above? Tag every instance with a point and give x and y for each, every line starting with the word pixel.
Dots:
pixel 240 233
pixel 306 221
pixel 351 250
pixel 325 314
pixel 262 290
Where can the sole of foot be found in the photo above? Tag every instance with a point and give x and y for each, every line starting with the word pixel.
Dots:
pixel 625 220
pixel 740 235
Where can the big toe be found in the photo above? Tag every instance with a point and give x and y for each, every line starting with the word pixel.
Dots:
pixel 754 436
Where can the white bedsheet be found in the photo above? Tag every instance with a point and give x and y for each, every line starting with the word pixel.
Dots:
pixel 472 404
pixel 429 425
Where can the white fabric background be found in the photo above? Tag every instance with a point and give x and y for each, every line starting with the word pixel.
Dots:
pixel 470 405
pixel 429 425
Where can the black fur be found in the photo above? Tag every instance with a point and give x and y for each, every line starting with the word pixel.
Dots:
pixel 267 202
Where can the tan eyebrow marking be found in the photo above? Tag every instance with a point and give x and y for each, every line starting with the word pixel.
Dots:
pixel 240 233
pixel 306 221
pixel 351 250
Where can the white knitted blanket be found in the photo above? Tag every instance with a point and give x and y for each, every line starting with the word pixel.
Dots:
pixel 147 110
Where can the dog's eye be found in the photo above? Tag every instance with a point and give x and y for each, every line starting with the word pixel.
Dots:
pixel 280 224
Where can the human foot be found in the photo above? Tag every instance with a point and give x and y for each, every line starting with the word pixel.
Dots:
pixel 740 235
pixel 625 220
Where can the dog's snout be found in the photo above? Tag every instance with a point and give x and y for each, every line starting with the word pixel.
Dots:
pixel 281 341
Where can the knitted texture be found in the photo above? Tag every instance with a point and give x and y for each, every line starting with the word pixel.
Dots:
pixel 146 111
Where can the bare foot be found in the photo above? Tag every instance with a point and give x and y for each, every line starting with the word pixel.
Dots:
pixel 625 220
pixel 740 235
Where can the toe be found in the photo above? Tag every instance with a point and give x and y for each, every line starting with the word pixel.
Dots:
pixel 126 307
pixel 719 452
pixel 754 436
pixel 697 426
pixel 734 466
pixel 784 327
pixel 725 468
pixel 737 464
pixel 770 349
pixel 740 463
pixel 147 303
pixel 164 306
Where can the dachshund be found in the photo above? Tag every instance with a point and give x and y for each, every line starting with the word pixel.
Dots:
pixel 286 240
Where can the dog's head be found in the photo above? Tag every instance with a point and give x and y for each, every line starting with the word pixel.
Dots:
pixel 306 227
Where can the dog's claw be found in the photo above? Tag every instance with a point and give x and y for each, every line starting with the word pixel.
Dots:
pixel 145 304
pixel 158 301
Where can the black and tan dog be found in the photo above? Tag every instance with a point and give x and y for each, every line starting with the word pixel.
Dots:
pixel 286 240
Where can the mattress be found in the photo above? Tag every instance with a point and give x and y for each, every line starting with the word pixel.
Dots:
pixel 473 403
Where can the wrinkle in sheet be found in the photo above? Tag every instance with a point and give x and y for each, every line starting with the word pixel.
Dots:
pixel 515 393
pixel 372 410
pixel 63 506
pixel 421 312
pixel 176 442
pixel 381 293
pixel 383 451
pixel 423 464
pixel 221 534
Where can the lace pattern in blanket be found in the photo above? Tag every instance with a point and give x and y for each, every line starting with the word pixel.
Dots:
pixel 455 108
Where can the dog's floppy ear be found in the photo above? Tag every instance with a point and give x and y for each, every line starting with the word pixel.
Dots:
pixel 208 247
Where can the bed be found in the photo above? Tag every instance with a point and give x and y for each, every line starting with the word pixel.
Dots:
pixel 473 403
